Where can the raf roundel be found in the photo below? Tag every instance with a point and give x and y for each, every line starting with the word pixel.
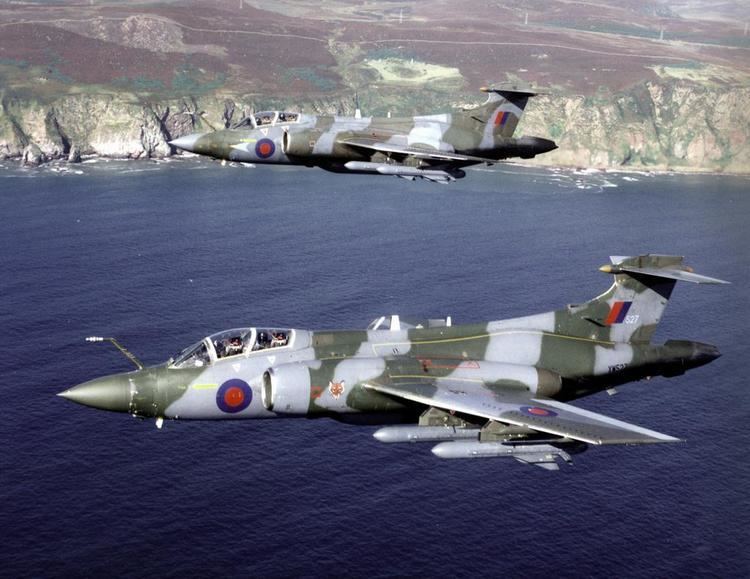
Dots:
pixel 265 148
pixel 538 412
pixel 234 396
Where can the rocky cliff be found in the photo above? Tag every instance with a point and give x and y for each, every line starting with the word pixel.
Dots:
pixel 653 126
pixel 659 126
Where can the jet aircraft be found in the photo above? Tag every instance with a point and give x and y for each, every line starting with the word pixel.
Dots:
pixel 432 147
pixel 495 389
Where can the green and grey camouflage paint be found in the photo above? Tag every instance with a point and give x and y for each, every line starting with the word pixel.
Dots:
pixel 502 383
pixel 433 147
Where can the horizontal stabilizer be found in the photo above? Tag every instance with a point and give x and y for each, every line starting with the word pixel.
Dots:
pixel 668 273
pixel 509 91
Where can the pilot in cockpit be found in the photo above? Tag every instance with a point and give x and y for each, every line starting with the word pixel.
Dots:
pixel 234 346
pixel 265 118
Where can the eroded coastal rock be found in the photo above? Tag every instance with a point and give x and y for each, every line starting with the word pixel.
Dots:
pixel 654 126
pixel 33 156
pixel 75 155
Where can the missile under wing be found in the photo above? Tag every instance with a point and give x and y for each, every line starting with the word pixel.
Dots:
pixel 434 147
pixel 495 389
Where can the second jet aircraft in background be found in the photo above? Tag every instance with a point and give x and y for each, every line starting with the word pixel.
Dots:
pixel 434 147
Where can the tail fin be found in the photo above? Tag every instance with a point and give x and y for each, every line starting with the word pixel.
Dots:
pixel 630 310
pixel 499 116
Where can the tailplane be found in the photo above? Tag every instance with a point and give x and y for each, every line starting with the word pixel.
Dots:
pixel 630 310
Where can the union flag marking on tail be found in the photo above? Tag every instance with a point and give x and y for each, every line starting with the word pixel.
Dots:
pixel 617 313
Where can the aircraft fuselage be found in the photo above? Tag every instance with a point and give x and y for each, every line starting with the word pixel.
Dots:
pixel 323 373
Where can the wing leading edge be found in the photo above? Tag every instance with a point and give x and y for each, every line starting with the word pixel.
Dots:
pixel 547 416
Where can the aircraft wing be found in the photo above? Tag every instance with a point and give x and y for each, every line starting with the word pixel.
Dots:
pixel 418 152
pixel 511 407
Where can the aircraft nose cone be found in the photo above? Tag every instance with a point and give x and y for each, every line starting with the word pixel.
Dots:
pixel 107 393
pixel 186 143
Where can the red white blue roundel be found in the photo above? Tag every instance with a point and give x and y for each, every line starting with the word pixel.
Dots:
pixel 538 412
pixel 265 148
pixel 234 396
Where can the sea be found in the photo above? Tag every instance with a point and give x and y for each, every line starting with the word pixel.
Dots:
pixel 160 254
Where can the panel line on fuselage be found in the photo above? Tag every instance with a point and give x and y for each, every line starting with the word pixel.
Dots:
pixel 492 334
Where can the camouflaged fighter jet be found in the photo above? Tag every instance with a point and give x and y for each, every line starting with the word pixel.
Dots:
pixel 433 147
pixel 497 389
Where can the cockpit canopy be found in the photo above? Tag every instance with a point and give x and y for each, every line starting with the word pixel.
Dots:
pixel 275 117
pixel 236 342
pixel 268 119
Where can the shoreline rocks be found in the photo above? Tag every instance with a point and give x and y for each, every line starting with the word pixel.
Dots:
pixel 666 126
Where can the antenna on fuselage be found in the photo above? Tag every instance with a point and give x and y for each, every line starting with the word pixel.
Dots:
pixel 357 111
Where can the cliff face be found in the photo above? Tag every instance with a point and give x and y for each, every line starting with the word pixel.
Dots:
pixel 107 125
pixel 119 126
pixel 653 126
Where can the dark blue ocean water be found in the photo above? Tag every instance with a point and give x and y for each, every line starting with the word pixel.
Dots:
pixel 161 254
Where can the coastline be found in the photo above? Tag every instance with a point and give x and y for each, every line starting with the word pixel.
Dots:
pixel 642 170
pixel 667 127
pixel 62 165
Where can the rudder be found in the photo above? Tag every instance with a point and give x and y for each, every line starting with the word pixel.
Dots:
pixel 632 307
